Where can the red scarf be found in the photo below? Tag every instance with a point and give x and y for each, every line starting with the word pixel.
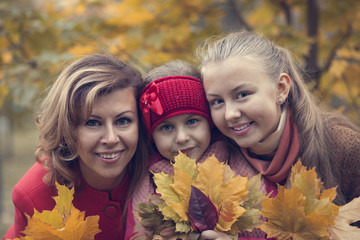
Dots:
pixel 286 154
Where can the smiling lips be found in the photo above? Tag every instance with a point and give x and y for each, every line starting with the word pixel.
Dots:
pixel 186 151
pixel 241 129
pixel 109 157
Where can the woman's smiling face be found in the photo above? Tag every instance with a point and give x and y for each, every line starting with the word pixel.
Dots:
pixel 242 100
pixel 107 141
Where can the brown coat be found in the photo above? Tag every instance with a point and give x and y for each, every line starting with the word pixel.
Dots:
pixel 346 160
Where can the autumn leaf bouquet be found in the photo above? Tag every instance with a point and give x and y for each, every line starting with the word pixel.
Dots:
pixel 208 195
pixel 202 196
pixel 64 222
pixel 305 210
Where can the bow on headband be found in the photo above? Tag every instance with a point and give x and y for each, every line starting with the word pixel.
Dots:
pixel 149 101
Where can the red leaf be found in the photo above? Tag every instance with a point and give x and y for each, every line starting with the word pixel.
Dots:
pixel 202 212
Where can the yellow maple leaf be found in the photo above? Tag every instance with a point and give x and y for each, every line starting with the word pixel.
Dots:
pixel 301 212
pixel 186 164
pixel 182 188
pixel 209 180
pixel 79 227
pixel 251 217
pixel 168 212
pixel 64 221
pixel 64 199
pixel 163 182
pixel 23 238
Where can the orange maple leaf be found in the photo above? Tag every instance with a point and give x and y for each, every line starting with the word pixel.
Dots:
pixel 302 211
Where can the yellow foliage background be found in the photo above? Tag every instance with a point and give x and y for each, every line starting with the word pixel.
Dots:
pixel 38 36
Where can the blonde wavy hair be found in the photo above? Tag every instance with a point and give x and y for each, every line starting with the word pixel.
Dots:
pixel 312 122
pixel 72 94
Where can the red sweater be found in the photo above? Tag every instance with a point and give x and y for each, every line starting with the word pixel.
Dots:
pixel 31 192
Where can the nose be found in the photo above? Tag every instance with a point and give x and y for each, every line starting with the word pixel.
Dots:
pixel 182 136
pixel 232 112
pixel 110 136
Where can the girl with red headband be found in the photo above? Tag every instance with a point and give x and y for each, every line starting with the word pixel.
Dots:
pixel 176 117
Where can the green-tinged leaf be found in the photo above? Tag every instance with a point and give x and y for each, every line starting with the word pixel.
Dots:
pixel 183 227
pixel 255 197
pixel 169 212
pixel 247 221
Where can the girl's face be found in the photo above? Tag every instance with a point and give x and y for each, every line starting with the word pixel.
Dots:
pixel 188 133
pixel 106 142
pixel 242 100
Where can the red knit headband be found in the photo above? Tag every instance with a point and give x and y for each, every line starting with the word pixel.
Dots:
pixel 171 96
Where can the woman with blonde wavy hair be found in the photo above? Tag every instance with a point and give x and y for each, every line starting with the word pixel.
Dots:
pixel 259 101
pixel 90 139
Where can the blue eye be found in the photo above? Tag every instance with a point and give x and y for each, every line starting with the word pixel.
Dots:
pixel 166 127
pixel 242 95
pixel 92 123
pixel 191 121
pixel 123 121
pixel 217 102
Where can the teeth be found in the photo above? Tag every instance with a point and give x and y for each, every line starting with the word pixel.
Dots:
pixel 242 127
pixel 113 155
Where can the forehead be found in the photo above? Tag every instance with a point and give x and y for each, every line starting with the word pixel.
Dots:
pixel 244 68
pixel 182 117
pixel 115 100
pixel 119 97
pixel 234 74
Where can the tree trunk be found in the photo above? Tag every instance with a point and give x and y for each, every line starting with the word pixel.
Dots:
pixel 312 67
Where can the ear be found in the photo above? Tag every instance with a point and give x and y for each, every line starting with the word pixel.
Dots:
pixel 282 88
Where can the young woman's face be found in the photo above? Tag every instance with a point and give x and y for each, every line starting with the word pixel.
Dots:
pixel 188 133
pixel 242 100
pixel 106 142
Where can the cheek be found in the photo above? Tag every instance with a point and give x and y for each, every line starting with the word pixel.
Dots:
pixel 206 132
pixel 161 142
pixel 206 138
pixel 218 117
pixel 83 143
pixel 133 139
pixel 265 111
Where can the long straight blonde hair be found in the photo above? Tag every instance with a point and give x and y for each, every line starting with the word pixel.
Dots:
pixel 312 122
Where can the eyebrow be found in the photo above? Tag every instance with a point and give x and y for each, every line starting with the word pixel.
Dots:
pixel 233 91
pixel 118 115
